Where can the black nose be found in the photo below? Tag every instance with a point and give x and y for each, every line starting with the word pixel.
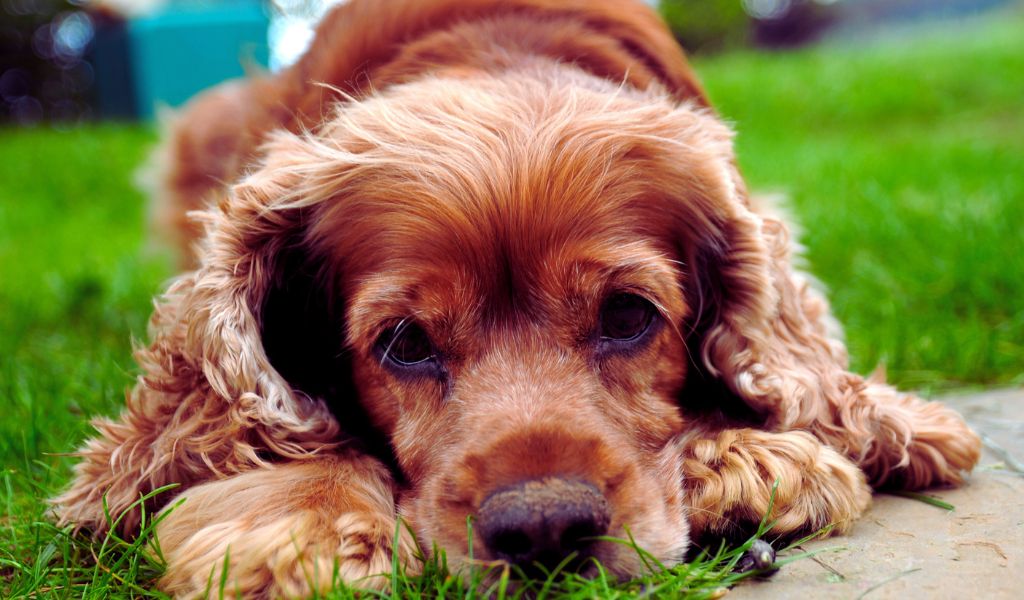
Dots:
pixel 543 521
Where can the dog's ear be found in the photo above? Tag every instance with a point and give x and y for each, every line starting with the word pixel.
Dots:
pixel 210 400
pixel 761 328
pixel 758 328
pixel 766 336
pixel 254 266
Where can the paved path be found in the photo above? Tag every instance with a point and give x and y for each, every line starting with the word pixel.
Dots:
pixel 904 548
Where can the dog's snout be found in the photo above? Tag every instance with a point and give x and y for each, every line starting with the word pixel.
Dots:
pixel 543 521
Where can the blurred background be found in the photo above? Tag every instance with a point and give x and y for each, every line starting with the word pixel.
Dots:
pixel 71 60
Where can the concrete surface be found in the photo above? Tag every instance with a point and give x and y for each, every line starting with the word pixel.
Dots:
pixel 904 548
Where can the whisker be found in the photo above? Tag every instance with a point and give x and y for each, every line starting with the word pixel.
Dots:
pixel 398 331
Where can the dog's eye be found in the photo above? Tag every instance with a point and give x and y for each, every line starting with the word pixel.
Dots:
pixel 406 345
pixel 625 317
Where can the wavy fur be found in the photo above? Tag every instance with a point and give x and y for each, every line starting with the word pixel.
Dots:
pixel 493 172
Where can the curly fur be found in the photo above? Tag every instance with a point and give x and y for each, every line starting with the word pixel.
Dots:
pixel 492 170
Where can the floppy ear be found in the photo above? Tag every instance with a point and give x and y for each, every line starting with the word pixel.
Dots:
pixel 767 335
pixel 210 402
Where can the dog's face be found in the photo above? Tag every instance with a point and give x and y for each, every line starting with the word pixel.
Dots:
pixel 528 337
pixel 500 349
pixel 513 260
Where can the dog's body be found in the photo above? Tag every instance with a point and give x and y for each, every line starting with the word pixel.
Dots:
pixel 488 259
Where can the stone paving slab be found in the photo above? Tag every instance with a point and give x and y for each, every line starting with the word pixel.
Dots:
pixel 904 548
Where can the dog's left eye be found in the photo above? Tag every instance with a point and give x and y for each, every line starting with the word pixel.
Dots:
pixel 406 345
pixel 625 317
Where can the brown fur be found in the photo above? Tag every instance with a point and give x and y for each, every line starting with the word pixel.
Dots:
pixel 492 171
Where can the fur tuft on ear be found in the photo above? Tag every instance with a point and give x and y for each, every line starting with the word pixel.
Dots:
pixel 209 402
pixel 771 339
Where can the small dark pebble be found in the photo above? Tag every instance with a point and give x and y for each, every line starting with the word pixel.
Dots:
pixel 760 557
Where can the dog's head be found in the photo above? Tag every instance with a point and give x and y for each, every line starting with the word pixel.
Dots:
pixel 502 286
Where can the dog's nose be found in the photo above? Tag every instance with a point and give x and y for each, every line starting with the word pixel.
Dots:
pixel 543 521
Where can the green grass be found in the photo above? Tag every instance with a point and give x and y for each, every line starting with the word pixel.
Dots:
pixel 903 159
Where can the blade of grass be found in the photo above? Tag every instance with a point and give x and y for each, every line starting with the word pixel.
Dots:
pixel 923 498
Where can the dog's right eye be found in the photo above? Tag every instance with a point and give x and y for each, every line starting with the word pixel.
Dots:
pixel 625 317
pixel 406 345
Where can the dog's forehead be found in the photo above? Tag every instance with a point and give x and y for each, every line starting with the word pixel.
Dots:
pixel 520 250
pixel 490 172
pixel 498 178
pixel 509 259
pixel 522 230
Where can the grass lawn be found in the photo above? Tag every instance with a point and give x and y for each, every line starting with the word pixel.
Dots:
pixel 903 158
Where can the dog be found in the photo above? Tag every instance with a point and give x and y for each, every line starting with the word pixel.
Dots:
pixel 484 260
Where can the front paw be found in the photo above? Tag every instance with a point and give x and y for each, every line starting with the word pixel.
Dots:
pixel 729 478
pixel 296 555
pixel 365 549
pixel 920 444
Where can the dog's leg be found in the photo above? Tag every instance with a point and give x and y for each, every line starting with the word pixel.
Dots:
pixel 728 476
pixel 287 531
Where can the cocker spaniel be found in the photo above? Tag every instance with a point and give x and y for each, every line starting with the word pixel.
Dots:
pixel 485 259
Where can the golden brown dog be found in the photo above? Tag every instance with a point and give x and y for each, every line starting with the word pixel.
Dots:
pixel 487 259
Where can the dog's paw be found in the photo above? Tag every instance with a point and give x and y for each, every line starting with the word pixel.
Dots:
pixel 365 549
pixel 920 444
pixel 296 555
pixel 729 478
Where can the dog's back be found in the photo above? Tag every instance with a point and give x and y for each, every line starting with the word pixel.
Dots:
pixel 363 47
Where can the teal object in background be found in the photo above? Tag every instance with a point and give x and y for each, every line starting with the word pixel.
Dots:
pixel 187 47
